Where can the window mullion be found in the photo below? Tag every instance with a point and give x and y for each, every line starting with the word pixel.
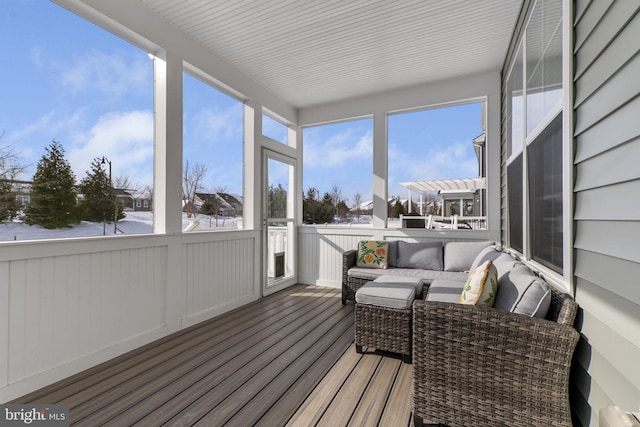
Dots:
pixel 526 250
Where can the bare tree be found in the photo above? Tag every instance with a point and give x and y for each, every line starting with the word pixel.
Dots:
pixel 10 169
pixel 431 202
pixel 357 202
pixel 221 189
pixel 124 182
pixel 336 198
pixel 192 176
pixel 10 164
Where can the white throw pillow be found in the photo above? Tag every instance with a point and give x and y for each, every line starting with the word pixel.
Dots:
pixel 481 286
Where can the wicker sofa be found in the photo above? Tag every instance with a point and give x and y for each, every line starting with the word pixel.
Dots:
pixel 472 365
pixel 451 261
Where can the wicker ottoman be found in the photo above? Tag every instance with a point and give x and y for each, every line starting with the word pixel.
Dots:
pixel 384 316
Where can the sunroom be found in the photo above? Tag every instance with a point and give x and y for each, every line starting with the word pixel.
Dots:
pixel 557 96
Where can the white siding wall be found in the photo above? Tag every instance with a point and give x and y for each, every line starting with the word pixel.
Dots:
pixel 607 207
pixel 98 298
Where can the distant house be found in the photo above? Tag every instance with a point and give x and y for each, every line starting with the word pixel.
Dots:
pixel 142 204
pixel 22 190
pixel 125 198
pixel 224 204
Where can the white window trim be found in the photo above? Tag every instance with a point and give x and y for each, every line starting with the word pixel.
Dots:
pixel 562 280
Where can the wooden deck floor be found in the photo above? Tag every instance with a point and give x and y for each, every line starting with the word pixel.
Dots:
pixel 287 359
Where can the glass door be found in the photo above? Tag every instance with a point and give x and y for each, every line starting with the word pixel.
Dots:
pixel 279 222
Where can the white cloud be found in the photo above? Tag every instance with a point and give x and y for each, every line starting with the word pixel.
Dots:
pixel 112 75
pixel 455 160
pixel 217 125
pixel 125 138
pixel 338 150
pixel 32 139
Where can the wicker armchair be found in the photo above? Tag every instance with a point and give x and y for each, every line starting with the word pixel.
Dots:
pixel 475 366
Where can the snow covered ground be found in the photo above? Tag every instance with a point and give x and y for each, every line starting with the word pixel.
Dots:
pixel 133 223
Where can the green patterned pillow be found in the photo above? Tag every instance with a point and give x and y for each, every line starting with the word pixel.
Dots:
pixel 373 254
pixel 481 286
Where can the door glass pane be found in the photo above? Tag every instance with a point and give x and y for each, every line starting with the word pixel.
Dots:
pixel 280 222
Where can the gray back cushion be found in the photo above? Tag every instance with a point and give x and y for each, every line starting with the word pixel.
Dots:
pixel 522 292
pixel 504 264
pixel 393 253
pixel 423 255
pixel 458 256
pixel 490 252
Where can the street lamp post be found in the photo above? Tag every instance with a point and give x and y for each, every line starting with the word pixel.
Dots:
pixel 115 195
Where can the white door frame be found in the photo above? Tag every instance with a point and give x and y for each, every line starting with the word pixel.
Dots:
pixel 291 274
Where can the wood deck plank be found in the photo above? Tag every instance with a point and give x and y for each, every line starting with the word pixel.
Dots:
pixel 398 409
pixel 373 401
pixel 304 372
pixel 193 363
pixel 215 388
pixel 342 407
pixel 286 358
pixel 201 381
pixel 319 400
pixel 278 376
pixel 299 392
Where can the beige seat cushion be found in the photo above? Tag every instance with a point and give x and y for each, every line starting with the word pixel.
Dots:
pixel 391 295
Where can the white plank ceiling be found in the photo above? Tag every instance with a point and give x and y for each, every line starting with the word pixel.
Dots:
pixel 312 52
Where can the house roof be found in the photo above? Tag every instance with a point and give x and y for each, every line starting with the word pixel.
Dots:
pixel 310 53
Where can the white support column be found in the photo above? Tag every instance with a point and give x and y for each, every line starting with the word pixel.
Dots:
pixel 295 134
pixel 380 167
pixel 252 208
pixel 168 145
pixel 5 315
pixel 168 178
pixel 493 169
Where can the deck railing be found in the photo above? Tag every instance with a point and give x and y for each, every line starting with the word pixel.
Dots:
pixel 453 222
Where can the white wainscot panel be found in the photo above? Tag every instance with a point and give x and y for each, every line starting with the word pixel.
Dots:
pixel 66 310
pixel 320 254
pixel 219 275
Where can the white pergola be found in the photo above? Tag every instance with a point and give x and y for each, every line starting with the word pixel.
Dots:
pixel 460 185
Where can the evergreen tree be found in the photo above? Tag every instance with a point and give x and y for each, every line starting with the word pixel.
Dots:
pixel 99 198
pixel 277 201
pixel 53 195
pixel 399 208
pixel 209 208
pixel 315 211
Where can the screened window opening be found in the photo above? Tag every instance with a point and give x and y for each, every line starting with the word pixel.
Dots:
pixel 535 164
pixel 545 196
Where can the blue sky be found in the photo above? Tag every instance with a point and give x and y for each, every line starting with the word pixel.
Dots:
pixel 68 80
pixel 423 145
